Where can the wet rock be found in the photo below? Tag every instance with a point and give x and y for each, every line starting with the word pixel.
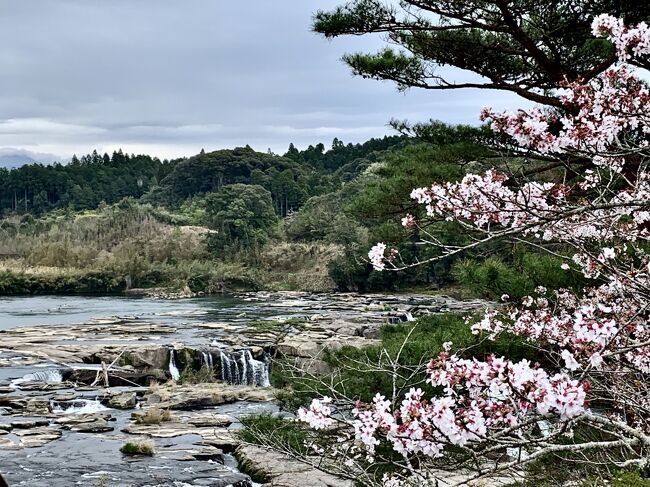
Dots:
pixel 282 471
pixel 7 444
pixel 29 423
pixel 40 386
pixel 71 420
pixel 208 420
pixel 195 452
pixel 65 397
pixel 123 400
pixel 218 437
pixel 301 346
pixel 149 358
pixel 154 398
pixel 97 426
pixel 86 423
pixel 37 437
pixel 13 402
pixel 209 394
pixel 311 365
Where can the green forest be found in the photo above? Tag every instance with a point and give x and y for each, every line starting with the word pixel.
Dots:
pixel 245 220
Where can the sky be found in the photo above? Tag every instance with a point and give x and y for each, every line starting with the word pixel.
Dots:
pixel 169 78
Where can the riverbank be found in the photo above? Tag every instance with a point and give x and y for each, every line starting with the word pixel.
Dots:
pixel 291 267
pixel 205 361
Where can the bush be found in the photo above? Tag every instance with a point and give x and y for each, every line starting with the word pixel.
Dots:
pixel 425 340
pixel 493 277
pixel 137 448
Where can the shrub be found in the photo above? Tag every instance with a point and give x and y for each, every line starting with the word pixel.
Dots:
pixel 418 342
pixel 494 277
pixel 135 448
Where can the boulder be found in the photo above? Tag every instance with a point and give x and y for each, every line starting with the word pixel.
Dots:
pixel 97 426
pixel 184 397
pixel 36 437
pixel 29 423
pixel 279 470
pixel 123 400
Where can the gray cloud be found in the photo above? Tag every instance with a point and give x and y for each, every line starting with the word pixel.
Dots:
pixel 169 78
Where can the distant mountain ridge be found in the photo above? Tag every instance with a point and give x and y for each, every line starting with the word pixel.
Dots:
pixel 14 158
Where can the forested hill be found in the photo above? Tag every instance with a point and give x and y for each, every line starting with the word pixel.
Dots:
pixel 81 184
pixel 290 183
pixel 87 181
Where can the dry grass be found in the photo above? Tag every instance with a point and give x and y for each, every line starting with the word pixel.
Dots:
pixel 164 391
pixel 153 415
pixel 300 266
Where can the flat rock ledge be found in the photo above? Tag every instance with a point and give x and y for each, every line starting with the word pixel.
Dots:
pixel 278 470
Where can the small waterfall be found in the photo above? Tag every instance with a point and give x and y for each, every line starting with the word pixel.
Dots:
pixel 77 406
pixel 173 370
pixel 409 316
pixel 241 368
pixel 51 376
pixel 206 360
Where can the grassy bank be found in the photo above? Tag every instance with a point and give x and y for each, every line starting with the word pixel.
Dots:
pixel 113 249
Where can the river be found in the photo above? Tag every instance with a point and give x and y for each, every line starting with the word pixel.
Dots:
pixel 53 413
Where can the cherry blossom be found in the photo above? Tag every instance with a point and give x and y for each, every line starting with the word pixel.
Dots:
pixel 596 341
pixel 318 413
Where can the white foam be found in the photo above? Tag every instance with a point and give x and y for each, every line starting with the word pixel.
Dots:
pixel 52 376
pixel 78 406
pixel 173 370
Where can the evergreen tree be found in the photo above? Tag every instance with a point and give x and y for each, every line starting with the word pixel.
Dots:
pixel 522 46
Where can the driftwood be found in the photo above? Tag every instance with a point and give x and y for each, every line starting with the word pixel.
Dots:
pixel 104 374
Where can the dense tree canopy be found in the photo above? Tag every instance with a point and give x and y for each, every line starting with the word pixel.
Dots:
pixel 82 184
pixel 240 213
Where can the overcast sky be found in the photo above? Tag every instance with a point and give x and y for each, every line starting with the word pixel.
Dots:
pixel 169 77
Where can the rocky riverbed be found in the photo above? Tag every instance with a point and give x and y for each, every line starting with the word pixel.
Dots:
pixel 75 385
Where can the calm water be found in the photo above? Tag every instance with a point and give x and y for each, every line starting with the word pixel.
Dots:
pixel 67 310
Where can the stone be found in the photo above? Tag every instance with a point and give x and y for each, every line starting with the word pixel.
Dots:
pixel 148 358
pixel 7 444
pixel 74 419
pixel 118 377
pixel 123 400
pixel 97 426
pixel 153 398
pixel 217 437
pixel 37 437
pixel 282 471
pixel 29 424
pixel 183 397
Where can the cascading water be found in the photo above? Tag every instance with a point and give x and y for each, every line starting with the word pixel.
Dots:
pixel 409 316
pixel 207 360
pixel 242 369
pixel 77 406
pixel 173 370
pixel 52 376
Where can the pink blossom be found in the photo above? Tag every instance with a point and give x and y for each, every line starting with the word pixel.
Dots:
pixel 377 256
pixel 317 415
